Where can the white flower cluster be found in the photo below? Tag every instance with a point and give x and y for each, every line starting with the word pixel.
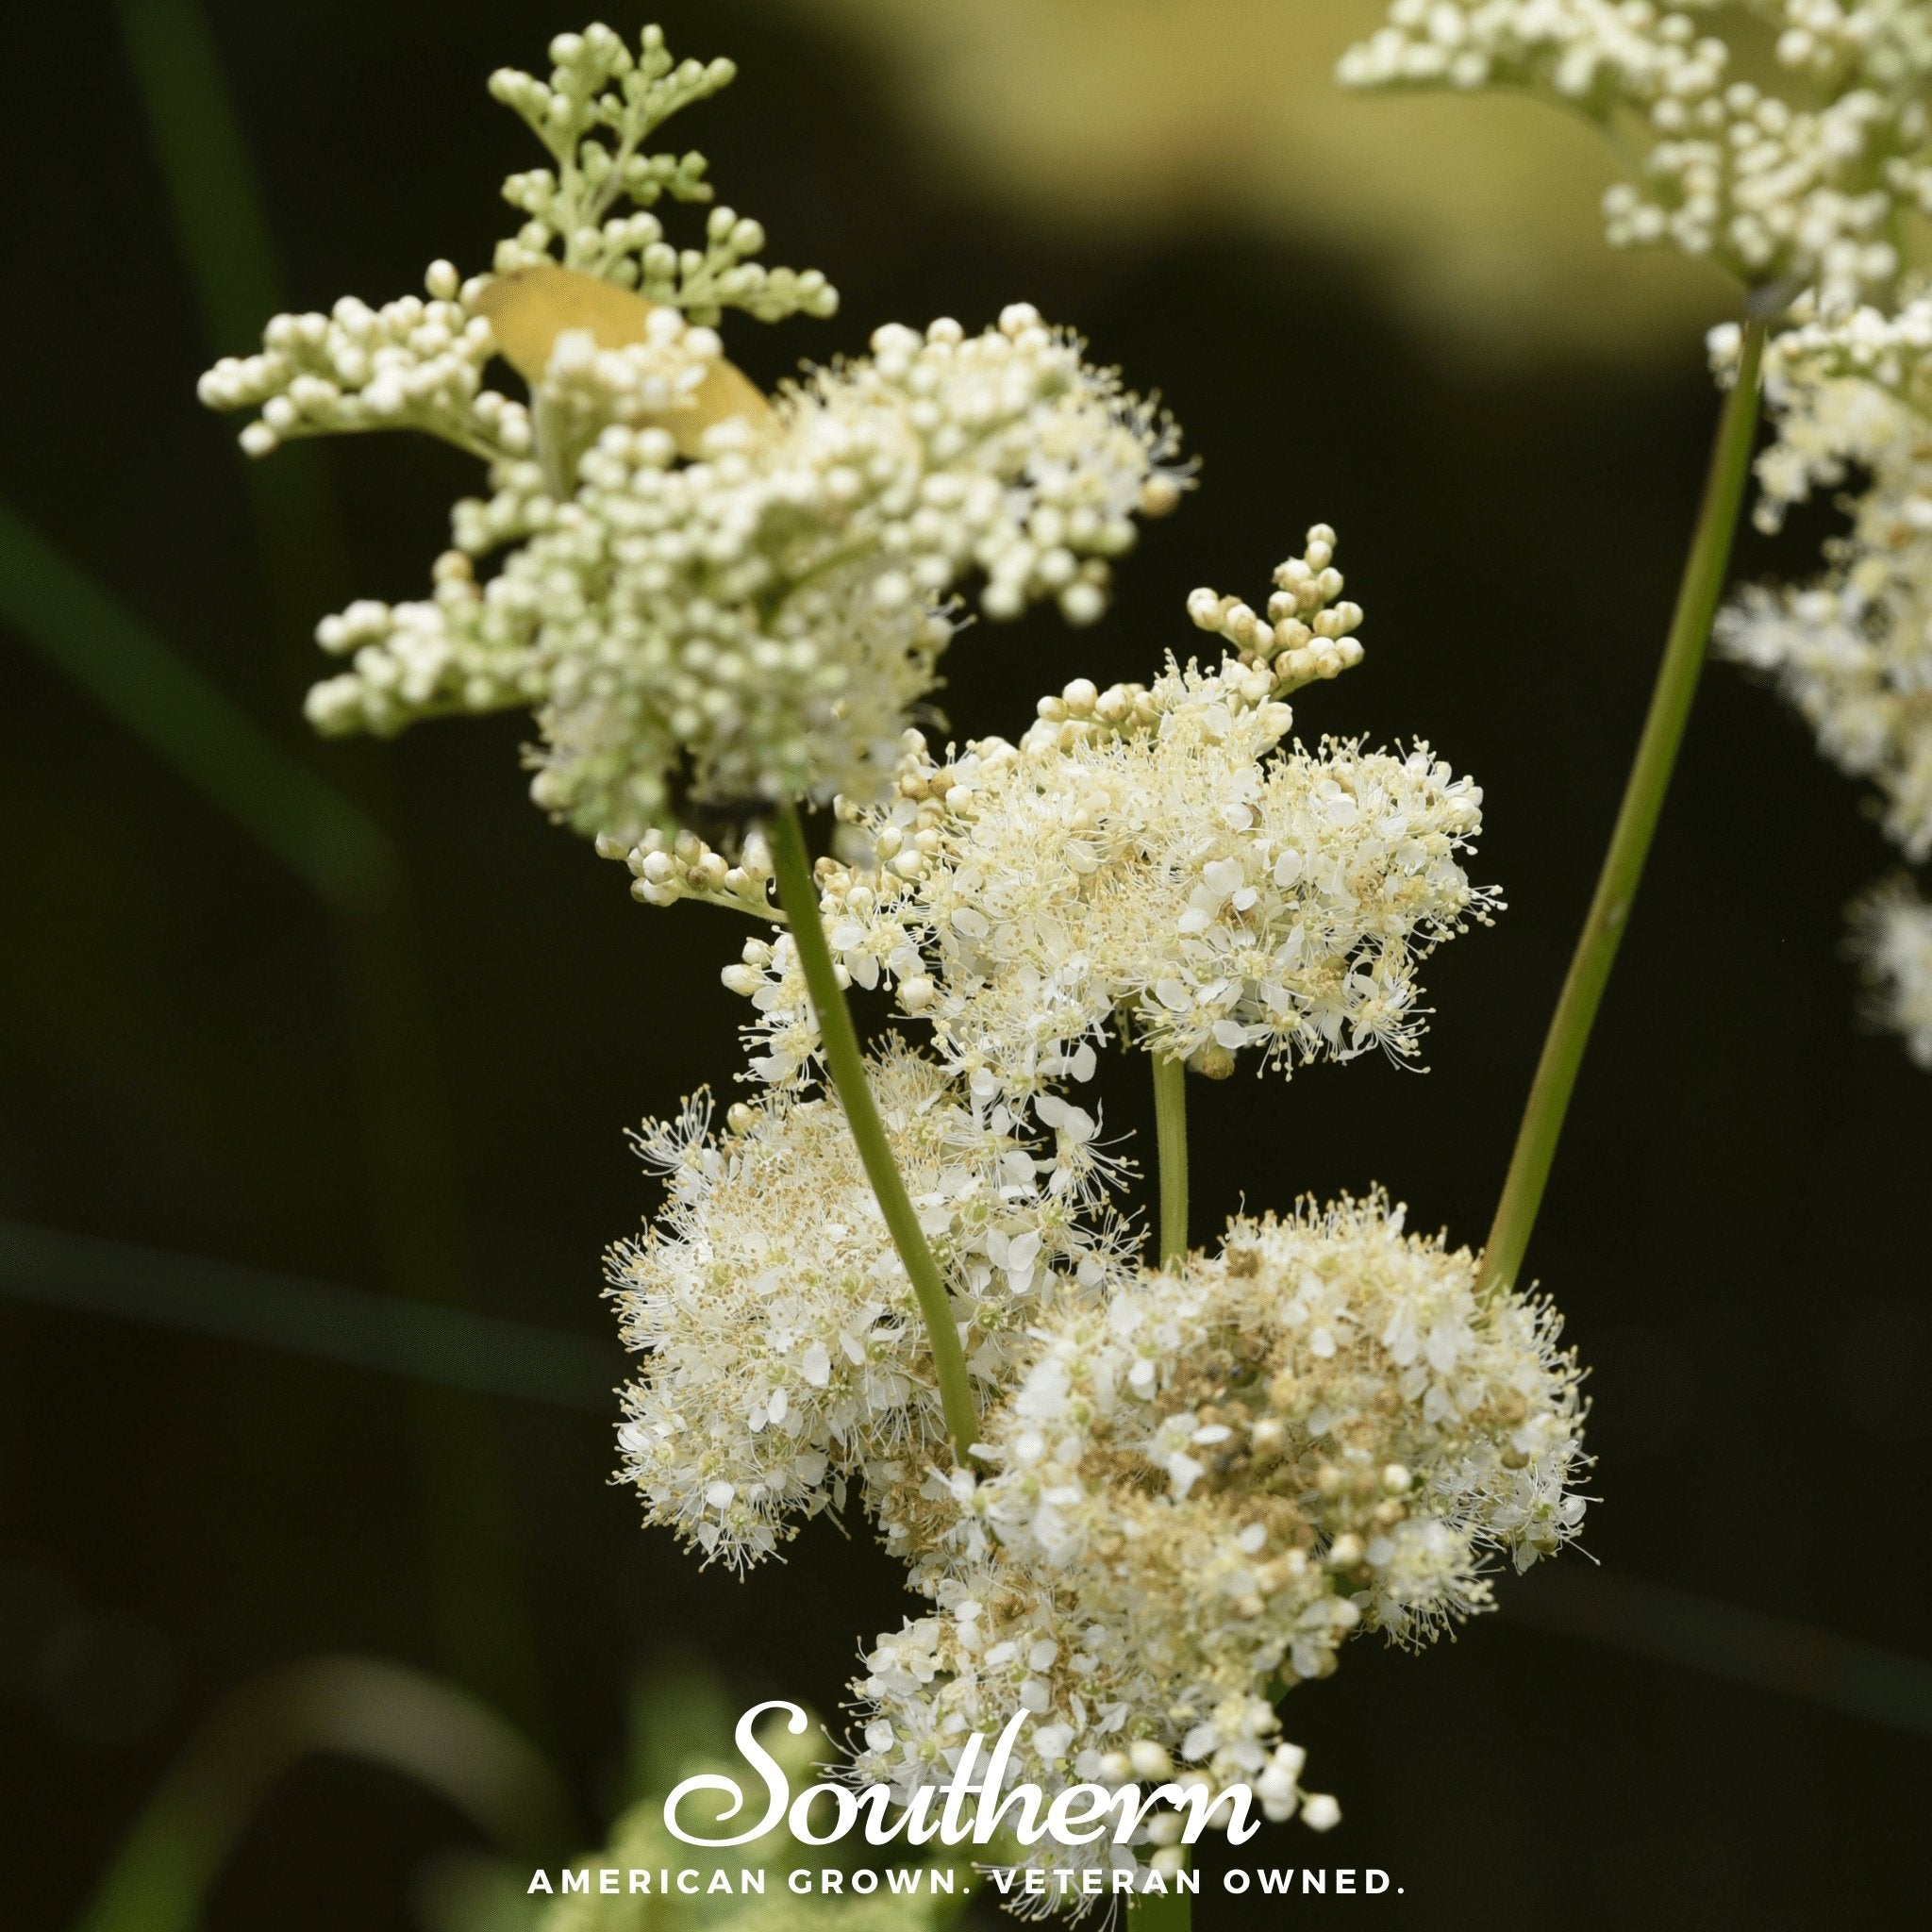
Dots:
pixel 1152 860
pixel 663 379
pixel 1774 190
pixel 754 626
pixel 1849 390
pixel 785 1352
pixel 1852 649
pixel 1893 930
pixel 1002 1639
pixel 419 365
pixel 410 364
pixel 709 601
pixel 1222 1473
pixel 1851 654
pixel 1190 1487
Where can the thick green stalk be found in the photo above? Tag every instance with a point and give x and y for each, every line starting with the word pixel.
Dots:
pixel 1636 818
pixel 1171 1151
pixel 1169 1911
pixel 845 1065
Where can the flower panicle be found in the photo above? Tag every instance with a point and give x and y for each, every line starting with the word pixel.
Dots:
pixel 756 625
pixel 1154 863
pixel 591 209
pixel 715 603
pixel 1198 1489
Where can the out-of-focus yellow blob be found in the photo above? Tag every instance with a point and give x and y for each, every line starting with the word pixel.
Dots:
pixel 529 308
pixel 1479 216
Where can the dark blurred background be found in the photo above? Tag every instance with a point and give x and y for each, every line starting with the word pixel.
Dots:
pixel 1720 1727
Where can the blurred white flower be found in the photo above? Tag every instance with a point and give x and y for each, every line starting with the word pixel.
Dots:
pixel 755 626
pixel 1807 189
pixel 1892 929
pixel 1852 650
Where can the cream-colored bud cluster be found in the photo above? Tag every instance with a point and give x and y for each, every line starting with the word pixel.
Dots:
pixel 732 632
pixel 599 106
pixel 1230 1469
pixel 1002 449
pixel 785 1352
pixel 411 364
pixel 1309 631
pixel 667 868
pixel 640 382
pixel 1775 190
pixel 754 626
pixel 1149 860
pixel 1891 928
pixel 407 663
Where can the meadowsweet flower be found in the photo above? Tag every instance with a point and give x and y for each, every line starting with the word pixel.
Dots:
pixel 1852 650
pixel 756 626
pixel 1001 1639
pixel 1157 860
pixel 1844 390
pixel 1892 931
pixel 784 1350
pixel 1202 1485
pixel 709 598
pixel 1807 188
pixel 1321 1426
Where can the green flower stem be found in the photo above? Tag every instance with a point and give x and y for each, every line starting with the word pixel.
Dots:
pixel 1161 1912
pixel 1170 1146
pixel 1643 796
pixel 845 1065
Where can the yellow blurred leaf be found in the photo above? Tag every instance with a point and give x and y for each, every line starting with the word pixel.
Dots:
pixel 529 308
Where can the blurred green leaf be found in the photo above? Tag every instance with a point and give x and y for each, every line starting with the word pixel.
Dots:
pixel 456 1347
pixel 189 722
pixel 356 1706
